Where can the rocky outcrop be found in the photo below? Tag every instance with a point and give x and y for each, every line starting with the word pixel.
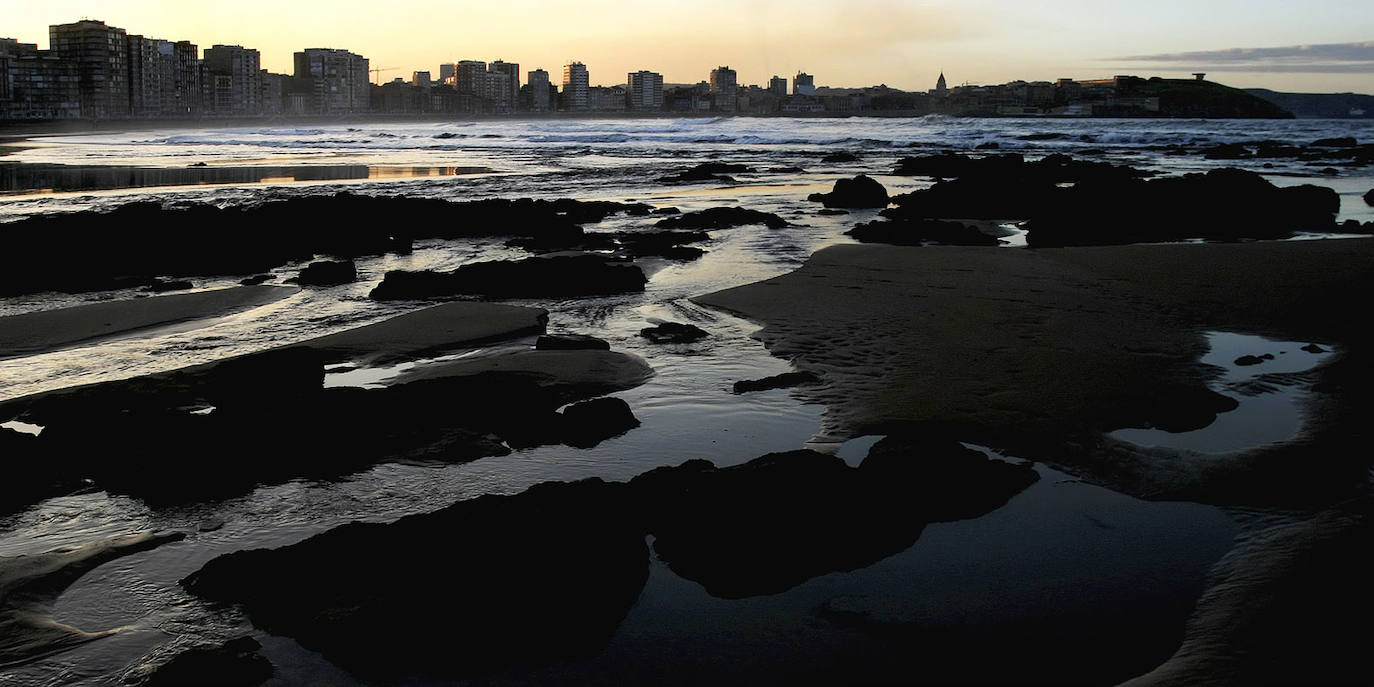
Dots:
pixel 73 252
pixel 547 575
pixel 721 218
pixel 706 171
pixel 570 342
pixel 589 423
pixel 781 381
pixel 235 663
pixel 542 576
pixel 919 232
pixel 860 192
pixel 673 333
pixel 326 273
pixel 557 275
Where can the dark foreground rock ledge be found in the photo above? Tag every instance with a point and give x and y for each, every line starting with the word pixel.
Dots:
pixel 548 574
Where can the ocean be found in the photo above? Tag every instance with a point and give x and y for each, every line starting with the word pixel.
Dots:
pixel 1057 552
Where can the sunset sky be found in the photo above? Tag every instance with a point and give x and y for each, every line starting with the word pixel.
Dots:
pixel 1313 46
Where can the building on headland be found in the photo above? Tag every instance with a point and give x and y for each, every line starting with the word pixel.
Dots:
pixel 941 88
pixel 724 88
pixel 36 84
pixel 803 84
pixel 101 54
pixel 644 90
pixel 539 87
pixel 236 72
pixel 576 85
pixel 336 81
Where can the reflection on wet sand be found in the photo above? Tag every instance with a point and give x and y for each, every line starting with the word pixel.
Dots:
pixel 32 179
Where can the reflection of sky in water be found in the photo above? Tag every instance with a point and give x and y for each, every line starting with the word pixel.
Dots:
pixel 1268 412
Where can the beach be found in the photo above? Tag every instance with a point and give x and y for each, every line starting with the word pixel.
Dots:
pixel 635 466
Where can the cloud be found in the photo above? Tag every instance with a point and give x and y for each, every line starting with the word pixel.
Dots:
pixel 1330 58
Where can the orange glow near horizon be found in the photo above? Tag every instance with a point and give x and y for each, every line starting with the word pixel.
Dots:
pixel 902 43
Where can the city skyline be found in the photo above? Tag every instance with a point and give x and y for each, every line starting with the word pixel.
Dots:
pixel 1322 48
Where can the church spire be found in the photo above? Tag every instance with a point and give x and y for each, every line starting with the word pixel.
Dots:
pixel 940 84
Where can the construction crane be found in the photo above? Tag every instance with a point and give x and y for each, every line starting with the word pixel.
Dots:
pixel 378 71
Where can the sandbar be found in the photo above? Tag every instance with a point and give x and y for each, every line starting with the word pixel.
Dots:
pixel 39 332
pixel 431 329
pixel 1042 351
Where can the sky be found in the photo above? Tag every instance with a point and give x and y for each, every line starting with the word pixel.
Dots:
pixel 1311 46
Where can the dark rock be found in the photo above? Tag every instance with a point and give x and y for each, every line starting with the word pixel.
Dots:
pixel 1313 348
pixel 30 476
pixel 256 279
pixel 164 286
pixel 840 157
pixel 1175 408
pixel 69 252
pixel 786 170
pixel 327 273
pixel 664 244
pixel 446 135
pixel 1329 171
pixel 234 664
pixel 1227 151
pixel 860 192
pixel 919 232
pixel 540 577
pixel 1340 142
pixel 989 145
pixel 673 332
pixel 589 423
pixel 832 211
pixel 1223 204
pixel 1369 197
pixel 570 342
pixel 545 276
pixel 781 381
pixel 706 171
pixel 1246 360
pixel 722 218
pixel 1043 137
pixel 666 211
pixel 638 209
pixel 776 521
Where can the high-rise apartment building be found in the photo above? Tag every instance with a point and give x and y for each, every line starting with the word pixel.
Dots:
pixel 471 77
pixel 724 88
pixel 576 82
pixel 421 80
pixel 503 85
pixel 777 86
pixel 101 54
pixel 644 90
pixel 446 71
pixel 237 74
pixel 36 84
pixel 539 90
pixel 338 80
pixel 803 84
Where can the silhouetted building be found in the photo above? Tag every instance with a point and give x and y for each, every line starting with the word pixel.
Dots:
pixel 420 79
pixel 470 77
pixel 36 84
pixel 777 86
pixel 576 82
pixel 337 80
pixel 503 85
pixel 539 91
pixel 273 92
pixel 803 84
pixel 446 71
pixel 644 90
pixel 101 54
pixel 237 74
pixel 606 98
pixel 724 88
pixel 941 88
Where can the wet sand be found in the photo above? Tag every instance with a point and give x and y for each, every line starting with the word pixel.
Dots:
pixel 39 332
pixel 1042 351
